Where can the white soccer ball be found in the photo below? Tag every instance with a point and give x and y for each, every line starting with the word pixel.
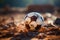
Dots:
pixel 39 19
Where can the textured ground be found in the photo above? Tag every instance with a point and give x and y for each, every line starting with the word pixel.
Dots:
pixel 29 35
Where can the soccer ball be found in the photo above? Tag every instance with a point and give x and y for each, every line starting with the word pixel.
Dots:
pixel 34 16
pixel 34 19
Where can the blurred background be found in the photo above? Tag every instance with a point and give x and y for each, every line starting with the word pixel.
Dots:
pixel 20 5
pixel 30 5
pixel 19 8
pixel 24 3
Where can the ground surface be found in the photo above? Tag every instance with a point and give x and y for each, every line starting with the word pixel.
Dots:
pixel 31 35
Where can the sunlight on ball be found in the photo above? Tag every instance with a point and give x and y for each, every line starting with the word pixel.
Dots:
pixel 32 25
pixel 27 20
